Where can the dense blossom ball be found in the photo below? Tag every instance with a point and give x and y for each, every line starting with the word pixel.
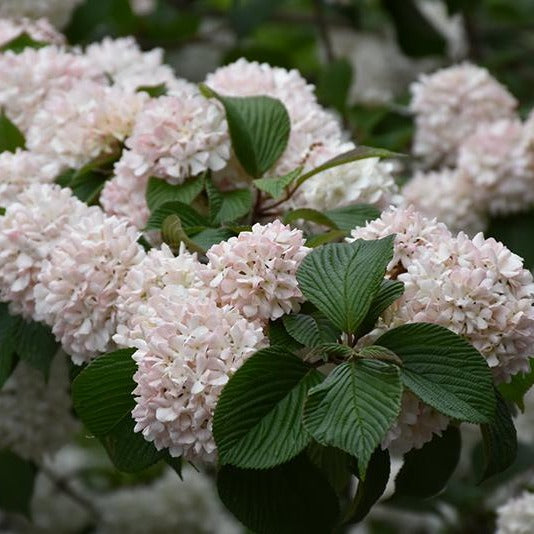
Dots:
pixel 127 65
pixel 181 135
pixel 36 413
pixel 517 515
pixel 78 284
pixel 39 30
pixel 28 77
pixel 188 354
pixel 256 271
pixel 86 121
pixel 450 104
pixel 57 11
pixel 29 231
pixel 21 169
pixel 447 195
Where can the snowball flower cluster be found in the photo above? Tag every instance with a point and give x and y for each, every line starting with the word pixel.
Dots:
pixel 450 103
pixel 78 283
pixel 36 413
pixel 181 135
pixel 57 11
pixel 475 287
pixel 185 359
pixel 38 30
pixel 256 271
pixel 517 515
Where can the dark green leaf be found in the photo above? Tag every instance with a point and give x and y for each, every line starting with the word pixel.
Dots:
pixel 426 471
pixel 309 215
pixel 20 42
pixel 293 498
pixel 350 217
pixel 371 488
pixel 343 279
pixel 320 239
pixel 354 407
pixel 17 477
pixel 515 390
pixel 334 83
pixel 188 216
pixel 175 463
pixel 227 206
pixel 36 345
pixel 306 330
pixel 443 370
pixel 9 325
pixel 336 465
pixel 211 236
pixel 278 336
pixel 499 440
pixel 153 90
pixel 259 127
pixel 11 137
pixel 159 191
pixel 257 422
pixel 275 187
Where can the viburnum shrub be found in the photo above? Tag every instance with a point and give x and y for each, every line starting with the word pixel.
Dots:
pixel 214 261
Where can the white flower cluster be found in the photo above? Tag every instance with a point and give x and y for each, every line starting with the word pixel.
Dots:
pixel 475 287
pixel 56 11
pixel 36 413
pixel 517 515
pixel 466 123
pixel 39 30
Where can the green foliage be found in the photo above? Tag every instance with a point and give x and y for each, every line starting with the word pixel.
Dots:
pixel 343 279
pixel 354 407
pixel 20 42
pixel 517 388
pixel 8 334
pixel 228 206
pixel 350 217
pixel 257 422
pixel 292 498
pixel 309 330
pixel 443 370
pixel 189 217
pixel 334 83
pixel 17 478
pixel 336 465
pixel 276 187
pixel 160 192
pixel 11 137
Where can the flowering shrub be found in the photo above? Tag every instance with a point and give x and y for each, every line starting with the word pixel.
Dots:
pixel 214 262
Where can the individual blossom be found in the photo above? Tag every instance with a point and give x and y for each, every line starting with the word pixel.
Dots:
pixel 36 412
pixel 39 30
pixel 448 196
pixel 450 104
pixel 127 65
pixel 28 77
pixel 181 135
pixel 56 11
pixel 125 194
pixel 29 230
pixel 517 515
pixel 188 353
pixel 256 271
pixel 78 284
pixel 21 169
pixel 87 121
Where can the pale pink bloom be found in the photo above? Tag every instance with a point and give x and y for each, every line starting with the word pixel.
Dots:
pixel 516 516
pixel 256 271
pixel 86 121
pixel 127 65
pixel 78 284
pixel 190 351
pixel 125 194
pixel 450 104
pixel 39 30
pixel 58 12
pixel 28 77
pixel 181 135
pixel 21 169
pixel 29 231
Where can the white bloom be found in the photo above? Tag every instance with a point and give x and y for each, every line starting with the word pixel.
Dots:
pixel 57 11
pixel 84 122
pixel 78 284
pixel 143 7
pixel 29 231
pixel 517 515
pixel 36 413
pixel 181 135
pixel 39 30
pixel 450 104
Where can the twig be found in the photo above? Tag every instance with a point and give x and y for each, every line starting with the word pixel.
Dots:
pixel 322 25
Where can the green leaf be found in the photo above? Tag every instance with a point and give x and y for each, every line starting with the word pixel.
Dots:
pixel 320 239
pixel 18 477
pixel 354 407
pixel 515 390
pixel 211 236
pixel 426 471
pixel 257 422
pixel 276 187
pixel 371 488
pixel 228 206
pixel 336 465
pixel 342 279
pixel 188 216
pixel 9 325
pixel 175 463
pixel 360 152
pixel 259 127
pixel 306 330
pixel 389 292
pixel 443 370
pixel 11 137
pixel 499 440
pixel 293 498
pixel 279 336
pixel 309 215
pixel 159 191
pixel 334 83
pixel 350 217
pixel 20 42
pixel 36 345
pixel 102 391
pixel 153 90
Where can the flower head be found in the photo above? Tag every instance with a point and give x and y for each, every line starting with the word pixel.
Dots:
pixel 39 30
pixel 517 515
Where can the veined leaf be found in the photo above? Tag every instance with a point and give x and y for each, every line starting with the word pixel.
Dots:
pixel 308 331
pixel 159 191
pixel 308 214
pixel 350 217
pixel 275 187
pixel 188 216
pixel 516 389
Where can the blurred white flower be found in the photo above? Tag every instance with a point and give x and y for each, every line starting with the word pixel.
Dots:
pixel 56 11
pixel 517 515
pixel 39 30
